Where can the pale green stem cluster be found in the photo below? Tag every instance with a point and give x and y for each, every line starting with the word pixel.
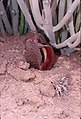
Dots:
pixel 45 23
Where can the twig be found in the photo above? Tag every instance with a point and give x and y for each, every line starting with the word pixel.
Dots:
pixel 25 11
pixel 37 16
pixel 48 19
pixel 67 16
pixel 61 10
pixel 53 8
pixel 76 43
pixel 65 43
pixel 34 4
pixel 71 25
pixel 78 19
pixel 44 23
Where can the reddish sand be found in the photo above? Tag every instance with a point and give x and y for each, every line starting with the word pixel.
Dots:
pixel 28 93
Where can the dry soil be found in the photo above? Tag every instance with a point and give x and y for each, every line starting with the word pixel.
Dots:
pixel 28 93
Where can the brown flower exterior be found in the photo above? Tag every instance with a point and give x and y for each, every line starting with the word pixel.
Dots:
pixel 37 51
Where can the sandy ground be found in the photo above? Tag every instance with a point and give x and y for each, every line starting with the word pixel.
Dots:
pixel 28 93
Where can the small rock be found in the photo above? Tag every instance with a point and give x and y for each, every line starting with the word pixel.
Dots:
pixel 46 89
pixel 22 75
pixel 24 65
